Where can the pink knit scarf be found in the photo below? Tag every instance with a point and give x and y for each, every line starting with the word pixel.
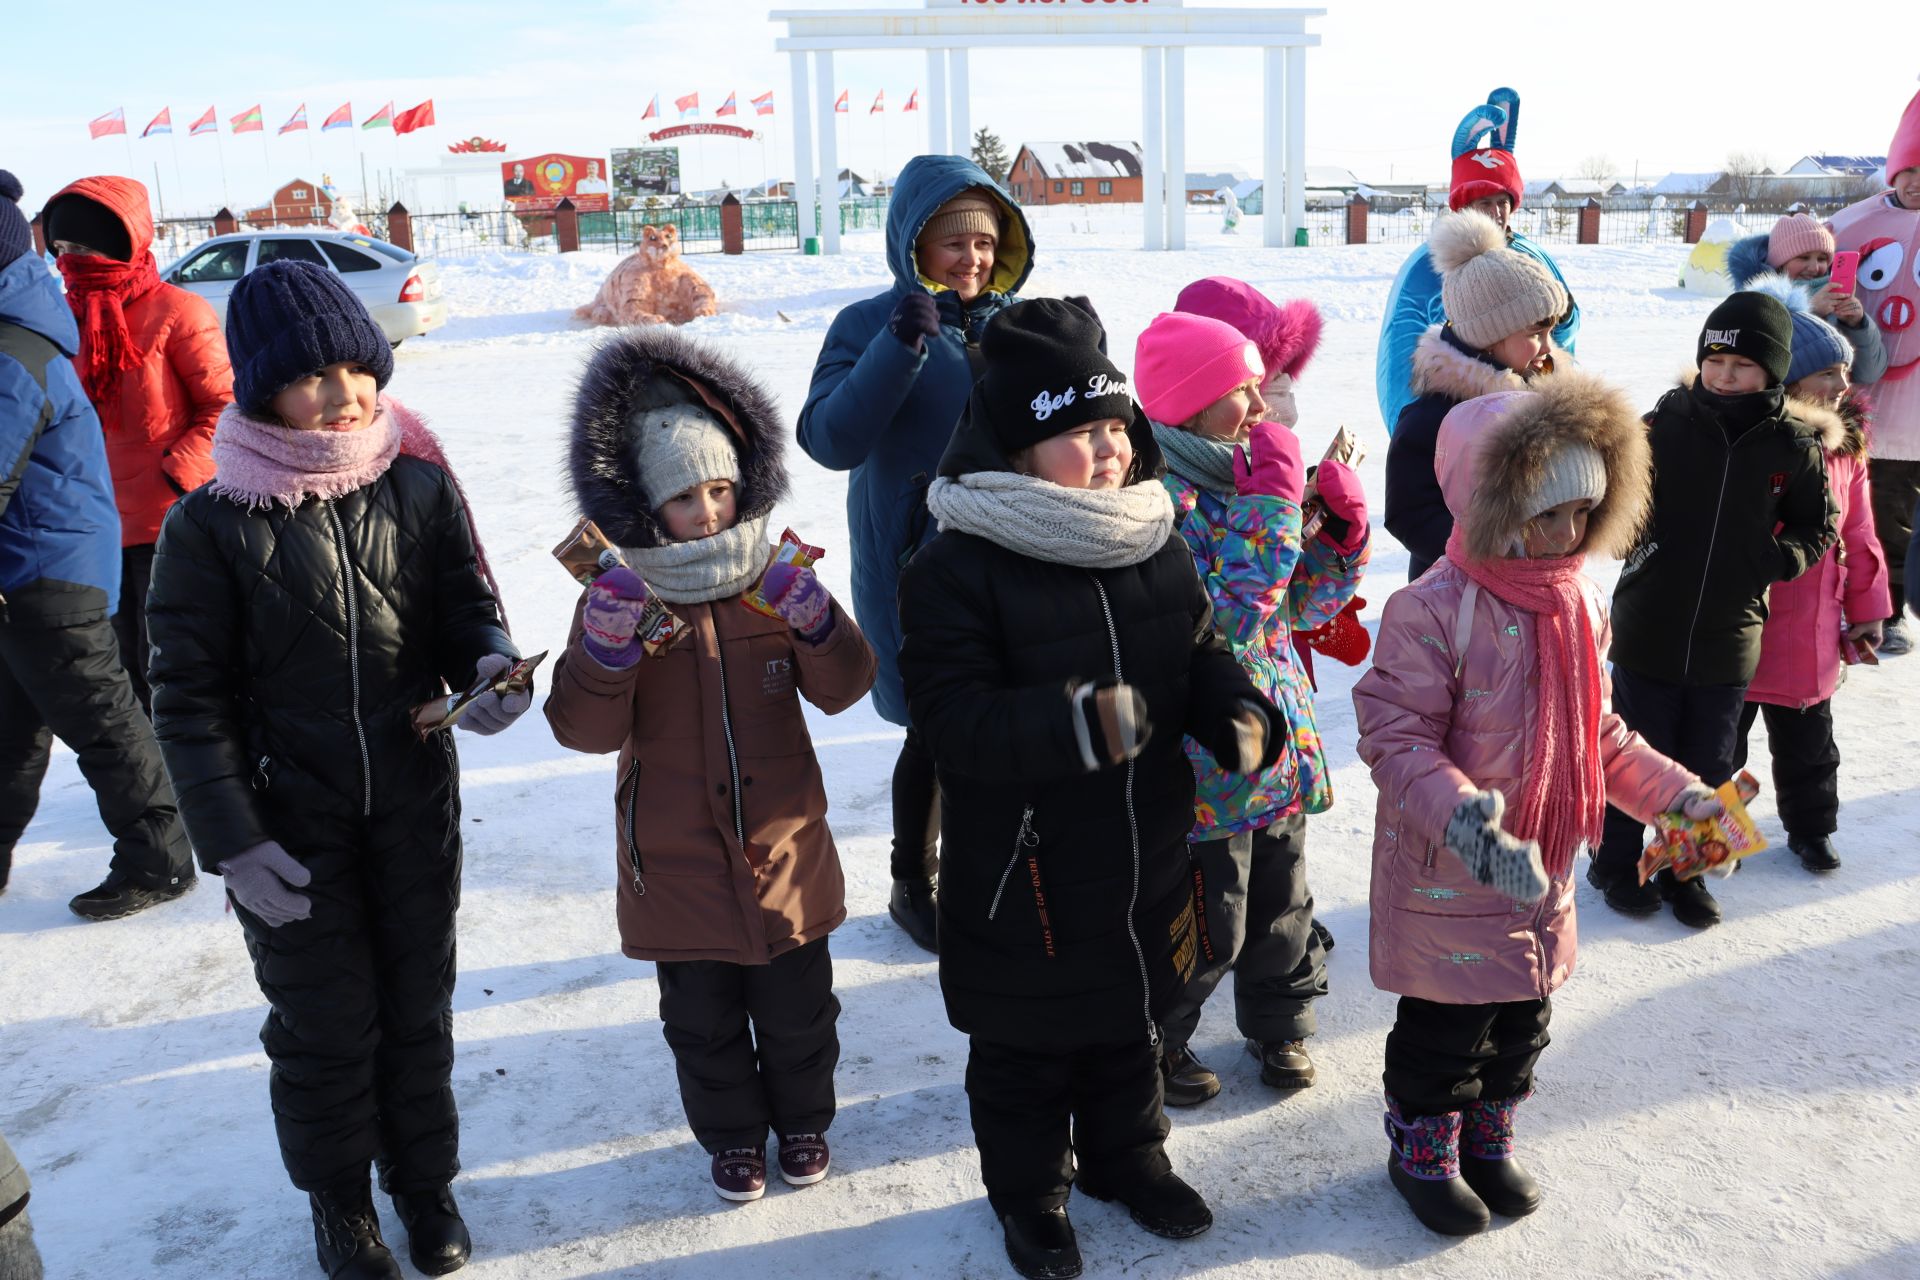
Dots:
pixel 1563 791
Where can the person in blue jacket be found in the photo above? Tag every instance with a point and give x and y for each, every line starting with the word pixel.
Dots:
pixel 60 671
pixel 891 382
pixel 1486 179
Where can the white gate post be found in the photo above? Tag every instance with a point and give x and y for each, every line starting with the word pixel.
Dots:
pixel 829 159
pixel 1152 171
pixel 937 102
pixel 1273 147
pixel 1176 147
pixel 803 149
pixel 1296 139
pixel 961 122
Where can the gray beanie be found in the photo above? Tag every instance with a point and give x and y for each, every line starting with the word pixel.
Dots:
pixel 677 446
pixel 1574 470
pixel 1489 290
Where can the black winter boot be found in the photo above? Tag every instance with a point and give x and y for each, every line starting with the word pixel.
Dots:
pixel 1486 1158
pixel 1693 906
pixel 437 1239
pixel 346 1234
pixel 1284 1064
pixel 1041 1244
pixel 912 908
pixel 1424 1167
pixel 1161 1203
pixel 1185 1080
pixel 1624 893
pixel 1815 853
pixel 120 895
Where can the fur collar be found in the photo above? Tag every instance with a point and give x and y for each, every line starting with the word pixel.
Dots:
pixel 1441 366
pixel 1828 427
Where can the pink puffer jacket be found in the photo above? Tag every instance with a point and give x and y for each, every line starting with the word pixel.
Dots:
pixel 1450 704
pixel 1800 648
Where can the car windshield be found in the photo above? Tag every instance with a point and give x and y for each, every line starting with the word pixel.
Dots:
pixel 214 263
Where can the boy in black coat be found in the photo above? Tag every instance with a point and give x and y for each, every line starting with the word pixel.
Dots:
pixel 1740 502
pixel 1057 644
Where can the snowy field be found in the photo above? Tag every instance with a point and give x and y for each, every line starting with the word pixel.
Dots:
pixel 1738 1103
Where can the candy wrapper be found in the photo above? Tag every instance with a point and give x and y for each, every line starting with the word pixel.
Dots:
pixel 1710 845
pixel 1346 447
pixel 443 713
pixel 586 553
pixel 790 551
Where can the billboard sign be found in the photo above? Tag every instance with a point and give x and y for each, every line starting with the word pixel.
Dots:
pixel 640 172
pixel 540 183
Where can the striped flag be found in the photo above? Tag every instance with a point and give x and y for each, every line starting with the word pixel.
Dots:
pixel 162 123
pixel 913 101
pixel 727 107
pixel 298 120
pixel 115 121
pixel 249 121
pixel 690 103
pixel 207 123
pixel 879 103
pixel 341 119
pixel 653 108
pixel 763 105
pixel 381 119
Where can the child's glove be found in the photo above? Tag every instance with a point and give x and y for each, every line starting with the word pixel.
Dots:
pixel 1109 722
pixel 615 601
pixel 795 593
pixel 1344 639
pixel 1346 503
pixel 263 879
pixel 1256 745
pixel 1494 858
pixel 914 319
pixel 1698 801
pixel 1868 633
pixel 491 712
pixel 1269 465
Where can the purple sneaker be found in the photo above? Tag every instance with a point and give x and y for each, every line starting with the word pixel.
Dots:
pixel 740 1174
pixel 803 1158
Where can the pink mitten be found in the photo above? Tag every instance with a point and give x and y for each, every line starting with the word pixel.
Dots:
pixel 1269 465
pixel 795 593
pixel 1340 490
pixel 615 603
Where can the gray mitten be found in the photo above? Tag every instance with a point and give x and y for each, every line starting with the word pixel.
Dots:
pixel 491 712
pixel 262 879
pixel 1494 858
pixel 1109 723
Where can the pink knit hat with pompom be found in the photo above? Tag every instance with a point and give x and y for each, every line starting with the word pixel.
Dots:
pixel 1793 235
pixel 1286 333
pixel 1183 363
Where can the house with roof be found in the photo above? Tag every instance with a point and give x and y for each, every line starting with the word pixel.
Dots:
pixel 299 203
pixel 1574 189
pixel 1326 185
pixel 1205 187
pixel 1076 173
pixel 1839 166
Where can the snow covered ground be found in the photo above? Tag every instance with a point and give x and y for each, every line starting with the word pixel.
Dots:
pixel 1730 1104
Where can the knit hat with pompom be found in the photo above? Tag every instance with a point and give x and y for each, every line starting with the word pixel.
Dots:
pixel 1490 291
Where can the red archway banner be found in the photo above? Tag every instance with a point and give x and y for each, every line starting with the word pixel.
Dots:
pixel 693 130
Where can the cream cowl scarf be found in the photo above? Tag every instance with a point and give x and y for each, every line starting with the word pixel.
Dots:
pixel 707 568
pixel 1085 528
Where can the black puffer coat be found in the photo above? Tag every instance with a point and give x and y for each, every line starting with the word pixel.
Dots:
pixel 1066 907
pixel 281 697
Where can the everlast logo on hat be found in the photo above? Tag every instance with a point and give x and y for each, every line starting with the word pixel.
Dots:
pixel 1754 327
pixel 1722 338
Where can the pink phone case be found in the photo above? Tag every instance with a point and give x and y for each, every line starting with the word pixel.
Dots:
pixel 1846 271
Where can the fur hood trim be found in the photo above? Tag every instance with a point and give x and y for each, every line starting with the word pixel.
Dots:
pixel 1559 407
pixel 1831 428
pixel 1442 367
pixel 638 369
pixel 1747 258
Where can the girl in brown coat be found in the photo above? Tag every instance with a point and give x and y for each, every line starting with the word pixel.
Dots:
pixel 728 878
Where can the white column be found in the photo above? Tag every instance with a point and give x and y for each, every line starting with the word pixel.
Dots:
pixel 961 122
pixel 829 157
pixel 1296 138
pixel 936 103
pixel 1152 172
pixel 802 147
pixel 1273 148
pixel 1176 147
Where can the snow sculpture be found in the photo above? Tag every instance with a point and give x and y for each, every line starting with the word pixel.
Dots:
pixel 652 285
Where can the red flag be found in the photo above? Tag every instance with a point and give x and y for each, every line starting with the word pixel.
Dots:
pixel 207 123
pixel 249 121
pixel 913 101
pixel 115 121
pixel 298 120
pixel 340 119
pixel 689 103
pixel 763 105
pixel 879 103
pixel 414 118
pixel 162 123
pixel 653 108
pixel 727 108
pixel 840 103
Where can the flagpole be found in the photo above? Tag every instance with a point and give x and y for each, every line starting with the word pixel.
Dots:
pixel 220 149
pixel 173 145
pixel 159 196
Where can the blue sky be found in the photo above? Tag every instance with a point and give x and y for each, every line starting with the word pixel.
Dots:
pixel 1664 85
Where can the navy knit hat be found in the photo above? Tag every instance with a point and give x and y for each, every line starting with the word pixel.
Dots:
pixel 289 319
pixel 16 238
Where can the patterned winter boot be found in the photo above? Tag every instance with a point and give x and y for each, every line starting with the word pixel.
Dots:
pixel 1424 1167
pixel 1486 1158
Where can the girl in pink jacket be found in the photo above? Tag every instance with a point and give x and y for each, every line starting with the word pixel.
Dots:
pixel 1486 720
pixel 1839 602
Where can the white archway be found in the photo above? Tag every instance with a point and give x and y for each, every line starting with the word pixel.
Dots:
pixel 1163 31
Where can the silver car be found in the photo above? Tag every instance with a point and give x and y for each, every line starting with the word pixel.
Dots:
pixel 402 292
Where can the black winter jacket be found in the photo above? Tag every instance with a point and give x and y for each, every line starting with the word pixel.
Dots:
pixel 1066 905
pixel 1734 511
pixel 290 648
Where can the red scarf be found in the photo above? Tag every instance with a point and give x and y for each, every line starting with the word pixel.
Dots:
pixel 99 290
pixel 1563 794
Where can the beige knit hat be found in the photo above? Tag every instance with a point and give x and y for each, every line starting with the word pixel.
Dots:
pixel 1489 290
pixel 972 210
pixel 678 446
pixel 1574 470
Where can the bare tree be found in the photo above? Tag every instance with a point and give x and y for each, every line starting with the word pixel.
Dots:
pixel 1597 168
pixel 1744 168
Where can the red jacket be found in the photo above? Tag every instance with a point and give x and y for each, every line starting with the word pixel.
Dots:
pixel 160 433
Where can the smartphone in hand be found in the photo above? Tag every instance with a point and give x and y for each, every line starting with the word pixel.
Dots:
pixel 1846 271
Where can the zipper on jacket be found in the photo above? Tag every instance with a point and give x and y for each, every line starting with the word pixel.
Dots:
pixel 263 773
pixel 1021 843
pixel 626 828
pixel 1133 831
pixel 733 757
pixel 353 658
pixel 1706 569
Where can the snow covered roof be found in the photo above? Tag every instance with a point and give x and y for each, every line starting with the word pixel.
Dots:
pixel 1087 159
pixel 1320 177
pixel 1197 181
pixel 1685 184
pixel 1849 166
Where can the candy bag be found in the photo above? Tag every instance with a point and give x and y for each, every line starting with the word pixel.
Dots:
pixel 586 553
pixel 1692 847
pixel 790 551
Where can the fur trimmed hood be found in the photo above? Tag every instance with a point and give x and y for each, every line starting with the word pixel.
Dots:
pixel 1840 432
pixel 1492 454
pixel 1443 365
pixel 641 369
pixel 1747 258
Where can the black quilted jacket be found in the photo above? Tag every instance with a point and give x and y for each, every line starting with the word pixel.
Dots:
pixel 290 647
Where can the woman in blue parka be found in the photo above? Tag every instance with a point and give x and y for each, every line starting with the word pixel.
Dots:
pixel 891 382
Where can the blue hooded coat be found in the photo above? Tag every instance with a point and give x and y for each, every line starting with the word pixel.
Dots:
pixel 59 528
pixel 885 412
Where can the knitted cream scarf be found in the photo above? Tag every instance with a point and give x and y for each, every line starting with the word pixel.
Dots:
pixel 707 568
pixel 1086 528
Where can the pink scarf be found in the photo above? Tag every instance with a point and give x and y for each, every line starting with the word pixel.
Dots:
pixel 258 463
pixel 1563 791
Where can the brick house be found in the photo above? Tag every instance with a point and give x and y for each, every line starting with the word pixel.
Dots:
pixel 298 204
pixel 1076 173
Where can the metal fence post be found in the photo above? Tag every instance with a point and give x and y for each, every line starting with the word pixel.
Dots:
pixel 400 227
pixel 566 226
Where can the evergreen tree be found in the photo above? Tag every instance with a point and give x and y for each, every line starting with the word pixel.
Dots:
pixel 990 153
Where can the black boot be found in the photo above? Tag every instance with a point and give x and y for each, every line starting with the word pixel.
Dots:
pixel 1815 852
pixel 437 1239
pixel 1041 1244
pixel 1624 892
pixel 912 908
pixel 1693 906
pixel 1161 1203
pixel 120 895
pixel 1486 1158
pixel 1185 1080
pixel 346 1234
pixel 1424 1167
pixel 1284 1064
